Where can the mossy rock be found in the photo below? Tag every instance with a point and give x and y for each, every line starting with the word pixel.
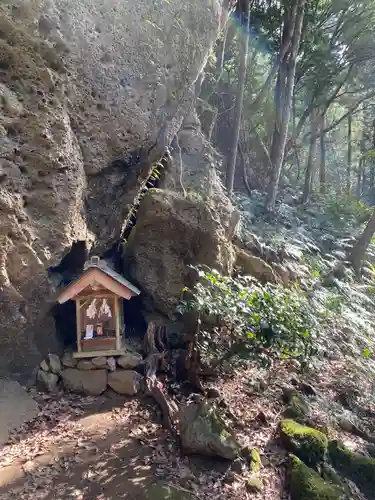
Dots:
pixel 309 444
pixel 255 461
pixel 254 485
pixel 252 457
pixel 357 468
pixel 297 407
pixel 162 491
pixel 306 484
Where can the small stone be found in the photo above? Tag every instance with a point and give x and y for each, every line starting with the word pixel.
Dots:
pixel 213 393
pixel 85 364
pixel 54 363
pixel 229 477
pixel 44 366
pixel 129 361
pixel 111 364
pixel 68 361
pixel 345 424
pixel 92 382
pixel 254 485
pixel 99 362
pixel 125 382
pixel 47 381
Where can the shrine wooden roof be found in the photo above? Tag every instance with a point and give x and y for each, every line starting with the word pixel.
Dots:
pixel 98 274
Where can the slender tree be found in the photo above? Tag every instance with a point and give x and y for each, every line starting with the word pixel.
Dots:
pixel 310 162
pixel 350 155
pixel 358 251
pixel 322 159
pixel 244 50
pixel 293 22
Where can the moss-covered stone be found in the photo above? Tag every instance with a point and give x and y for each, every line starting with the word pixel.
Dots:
pixel 254 485
pixel 308 444
pixel 357 468
pixel 306 484
pixel 297 407
pixel 255 461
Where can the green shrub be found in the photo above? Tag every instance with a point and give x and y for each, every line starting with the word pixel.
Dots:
pixel 254 320
pixel 346 209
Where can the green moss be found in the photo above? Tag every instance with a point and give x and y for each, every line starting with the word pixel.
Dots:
pixel 306 484
pixel 308 444
pixel 358 468
pixel 254 485
pixel 255 461
pixel 297 407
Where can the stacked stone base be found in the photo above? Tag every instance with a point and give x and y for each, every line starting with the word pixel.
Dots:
pixel 90 376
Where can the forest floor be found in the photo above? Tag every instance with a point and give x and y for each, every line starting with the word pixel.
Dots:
pixel 110 447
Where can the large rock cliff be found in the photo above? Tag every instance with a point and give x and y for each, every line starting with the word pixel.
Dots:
pixel 91 93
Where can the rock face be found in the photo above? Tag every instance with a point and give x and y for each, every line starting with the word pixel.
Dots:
pixel 14 397
pixel 203 432
pixel 87 87
pixel 125 382
pixel 172 233
pixel 85 382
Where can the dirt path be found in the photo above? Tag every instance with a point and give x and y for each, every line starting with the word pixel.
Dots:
pixel 81 448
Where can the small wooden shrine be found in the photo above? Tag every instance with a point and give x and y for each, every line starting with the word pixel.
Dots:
pixel 98 294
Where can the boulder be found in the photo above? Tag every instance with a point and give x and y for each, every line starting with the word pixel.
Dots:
pixel 358 468
pixel 306 484
pixel 47 381
pixel 173 232
pixel 16 407
pixel 113 79
pixel 125 382
pixel 99 362
pixel 54 363
pixel 85 364
pixel 129 361
pixel 68 361
pixel 251 265
pixel 91 383
pixel 203 432
pixel 308 444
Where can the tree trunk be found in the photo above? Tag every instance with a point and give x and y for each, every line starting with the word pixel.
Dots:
pixel 310 161
pixel 349 164
pixel 322 161
pixel 244 51
pixel 361 167
pixel 359 249
pixel 286 92
pixel 372 166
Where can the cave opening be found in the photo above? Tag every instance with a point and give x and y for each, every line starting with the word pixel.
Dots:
pixel 71 267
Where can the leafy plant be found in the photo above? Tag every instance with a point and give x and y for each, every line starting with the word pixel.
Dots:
pixel 252 320
pixel 347 209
